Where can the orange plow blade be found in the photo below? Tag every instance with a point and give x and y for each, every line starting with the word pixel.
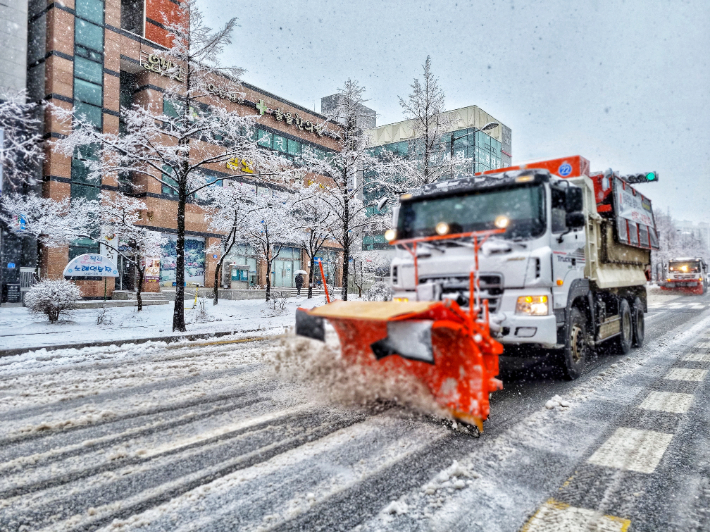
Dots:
pixel 436 342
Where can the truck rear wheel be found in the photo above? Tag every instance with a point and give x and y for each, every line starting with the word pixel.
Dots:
pixel 639 323
pixel 574 356
pixel 624 340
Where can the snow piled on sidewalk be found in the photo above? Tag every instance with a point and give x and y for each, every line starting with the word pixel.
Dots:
pixel 20 329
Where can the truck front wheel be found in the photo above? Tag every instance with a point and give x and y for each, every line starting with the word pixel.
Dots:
pixel 574 355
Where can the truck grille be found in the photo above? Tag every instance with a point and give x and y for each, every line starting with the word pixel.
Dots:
pixel 491 288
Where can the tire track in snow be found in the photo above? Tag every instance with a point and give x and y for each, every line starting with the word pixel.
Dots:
pixel 93 395
pixel 126 416
pixel 118 499
pixel 277 490
pixel 80 449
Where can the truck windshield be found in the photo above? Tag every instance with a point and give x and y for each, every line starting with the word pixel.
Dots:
pixel 476 211
pixel 684 267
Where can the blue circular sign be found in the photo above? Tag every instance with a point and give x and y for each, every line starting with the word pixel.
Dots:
pixel 565 169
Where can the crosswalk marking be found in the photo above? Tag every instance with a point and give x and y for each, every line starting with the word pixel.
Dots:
pixel 681 374
pixel 632 450
pixel 555 516
pixel 703 345
pixel 678 403
pixel 697 357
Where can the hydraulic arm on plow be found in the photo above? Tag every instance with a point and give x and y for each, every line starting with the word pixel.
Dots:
pixel 446 347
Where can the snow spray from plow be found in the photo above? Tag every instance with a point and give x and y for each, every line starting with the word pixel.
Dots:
pixel 447 348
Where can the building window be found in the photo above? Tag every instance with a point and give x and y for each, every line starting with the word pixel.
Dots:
pixel 133 16
pixel 294 148
pixel 82 246
pixel 88 92
pixel 167 178
pixel 89 35
pixel 92 10
pixel 125 98
pixel 88 61
pixel 88 70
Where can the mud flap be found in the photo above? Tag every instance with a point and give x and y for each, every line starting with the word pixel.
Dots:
pixel 309 326
pixel 408 339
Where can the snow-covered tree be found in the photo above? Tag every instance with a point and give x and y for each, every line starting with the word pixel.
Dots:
pixel 178 147
pixel 21 149
pixel 270 227
pixel 58 223
pixel 313 223
pixel 366 265
pixel 344 168
pixel 52 297
pixel 432 161
pixel 228 212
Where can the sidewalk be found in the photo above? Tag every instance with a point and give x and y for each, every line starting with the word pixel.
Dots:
pixel 21 331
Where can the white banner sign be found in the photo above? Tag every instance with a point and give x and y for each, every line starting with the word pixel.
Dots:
pixel 91 265
pixel 634 208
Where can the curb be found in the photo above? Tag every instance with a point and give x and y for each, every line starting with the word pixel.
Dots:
pixel 166 339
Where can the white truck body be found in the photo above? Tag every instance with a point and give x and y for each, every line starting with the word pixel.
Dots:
pixel 582 267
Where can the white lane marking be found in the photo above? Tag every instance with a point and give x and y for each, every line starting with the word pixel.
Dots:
pixel 703 345
pixel 678 403
pixel 555 517
pixel 697 357
pixel 676 306
pixel 680 374
pixel 632 450
pixel 697 306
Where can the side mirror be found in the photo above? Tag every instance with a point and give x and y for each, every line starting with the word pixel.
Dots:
pixel 574 199
pixel 575 220
pixel 395 215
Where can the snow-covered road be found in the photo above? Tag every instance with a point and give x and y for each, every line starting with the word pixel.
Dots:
pixel 210 437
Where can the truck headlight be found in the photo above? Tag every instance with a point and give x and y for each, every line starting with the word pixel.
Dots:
pixel 532 305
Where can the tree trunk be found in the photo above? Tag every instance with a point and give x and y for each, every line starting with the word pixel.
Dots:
pixel 310 276
pixel 346 243
pixel 216 282
pixel 268 279
pixel 179 310
pixel 139 290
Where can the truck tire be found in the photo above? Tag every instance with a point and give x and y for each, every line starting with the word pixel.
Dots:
pixel 622 343
pixel 639 323
pixel 574 355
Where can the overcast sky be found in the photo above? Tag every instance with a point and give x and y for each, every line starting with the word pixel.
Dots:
pixel 626 84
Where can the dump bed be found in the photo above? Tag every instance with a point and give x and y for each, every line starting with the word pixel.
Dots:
pixel 620 230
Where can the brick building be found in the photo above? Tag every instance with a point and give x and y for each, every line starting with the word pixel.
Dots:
pixel 96 56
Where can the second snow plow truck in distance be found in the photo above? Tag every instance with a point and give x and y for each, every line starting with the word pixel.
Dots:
pixel 689 275
pixel 545 256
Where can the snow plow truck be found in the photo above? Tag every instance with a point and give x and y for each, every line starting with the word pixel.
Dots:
pixel 539 257
pixel 689 275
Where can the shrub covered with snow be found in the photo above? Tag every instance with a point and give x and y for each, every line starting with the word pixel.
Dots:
pixel 52 298
pixel 379 291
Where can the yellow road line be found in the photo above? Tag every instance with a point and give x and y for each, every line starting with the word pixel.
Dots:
pixel 555 516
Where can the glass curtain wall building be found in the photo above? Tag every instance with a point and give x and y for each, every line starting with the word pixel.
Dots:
pixel 485 150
